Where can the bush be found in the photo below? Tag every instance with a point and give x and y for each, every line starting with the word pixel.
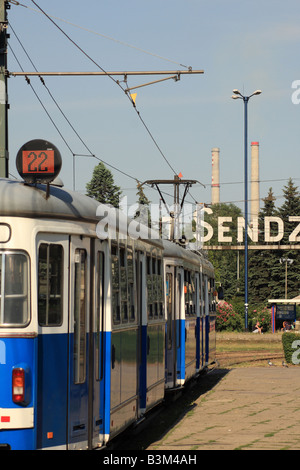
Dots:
pixel 227 318
pixel 291 348
pixel 256 312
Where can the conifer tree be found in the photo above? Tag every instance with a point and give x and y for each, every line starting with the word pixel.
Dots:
pixel 102 187
pixel 142 196
pixel 261 262
pixel 290 207
pixel 143 212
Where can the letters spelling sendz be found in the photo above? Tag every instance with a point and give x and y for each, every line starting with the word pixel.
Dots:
pixel 273 229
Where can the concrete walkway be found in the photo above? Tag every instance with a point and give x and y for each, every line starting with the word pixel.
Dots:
pixel 250 408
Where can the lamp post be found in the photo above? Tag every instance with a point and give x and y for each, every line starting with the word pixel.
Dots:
pixel 286 261
pixel 238 95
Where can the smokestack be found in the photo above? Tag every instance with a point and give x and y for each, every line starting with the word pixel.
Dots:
pixel 254 180
pixel 215 178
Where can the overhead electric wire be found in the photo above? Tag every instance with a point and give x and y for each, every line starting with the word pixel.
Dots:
pixel 123 43
pixel 68 121
pixel 51 17
pixel 56 127
pixel 259 181
pixel 41 103
pixel 106 73
pixel 52 97
pixel 61 111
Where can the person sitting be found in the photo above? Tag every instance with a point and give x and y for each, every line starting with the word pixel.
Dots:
pixel 286 326
pixel 257 328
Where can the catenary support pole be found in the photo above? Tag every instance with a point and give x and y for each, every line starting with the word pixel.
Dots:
pixel 3 91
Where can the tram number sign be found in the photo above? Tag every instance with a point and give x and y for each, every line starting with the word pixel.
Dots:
pixel 38 161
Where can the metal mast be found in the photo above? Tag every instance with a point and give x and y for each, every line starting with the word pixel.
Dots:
pixel 4 6
pixel 176 182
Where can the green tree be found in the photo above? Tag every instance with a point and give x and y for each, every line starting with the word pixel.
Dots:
pixel 143 211
pixel 142 198
pixel 290 207
pixel 261 262
pixel 102 186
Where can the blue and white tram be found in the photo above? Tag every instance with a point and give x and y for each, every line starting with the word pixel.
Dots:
pixel 208 321
pixel 81 342
pixel 138 330
pixel 92 330
pixel 190 311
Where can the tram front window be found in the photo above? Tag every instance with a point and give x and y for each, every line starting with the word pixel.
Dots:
pixel 14 294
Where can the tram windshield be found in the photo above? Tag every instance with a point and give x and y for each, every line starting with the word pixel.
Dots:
pixel 14 289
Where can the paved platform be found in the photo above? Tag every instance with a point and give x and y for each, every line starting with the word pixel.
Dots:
pixel 254 408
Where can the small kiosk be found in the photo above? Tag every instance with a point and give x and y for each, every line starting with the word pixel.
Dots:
pixel 283 310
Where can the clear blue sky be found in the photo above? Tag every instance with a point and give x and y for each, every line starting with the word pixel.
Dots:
pixel 240 44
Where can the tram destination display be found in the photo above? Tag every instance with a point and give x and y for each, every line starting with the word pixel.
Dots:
pixel 38 161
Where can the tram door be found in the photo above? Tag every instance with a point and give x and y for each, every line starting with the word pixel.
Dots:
pixel 142 321
pixel 79 292
pixel 171 328
pixel 52 383
pixel 97 376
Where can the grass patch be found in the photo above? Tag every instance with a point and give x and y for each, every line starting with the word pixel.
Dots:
pixel 247 349
pixel 234 342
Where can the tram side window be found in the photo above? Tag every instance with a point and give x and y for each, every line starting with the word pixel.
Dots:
pixel 80 316
pixel 160 288
pixel 115 284
pixel 123 283
pixel 189 290
pixel 154 287
pixel 212 298
pixel 131 284
pixel 193 292
pixel 204 295
pixel 186 291
pixel 187 276
pixel 169 296
pixel 14 289
pixel 50 285
pixel 200 293
pixel 99 315
pixel 149 288
pixel 209 287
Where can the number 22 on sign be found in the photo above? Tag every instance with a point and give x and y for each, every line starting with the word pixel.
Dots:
pixel 38 161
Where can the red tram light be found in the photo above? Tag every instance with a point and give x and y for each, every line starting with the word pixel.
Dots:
pixel 18 385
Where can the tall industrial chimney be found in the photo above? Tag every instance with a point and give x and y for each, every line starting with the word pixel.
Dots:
pixel 254 180
pixel 215 178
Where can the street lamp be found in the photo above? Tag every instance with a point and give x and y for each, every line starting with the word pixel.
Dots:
pixel 286 261
pixel 238 95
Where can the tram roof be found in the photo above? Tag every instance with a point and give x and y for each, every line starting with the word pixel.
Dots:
pixel 173 250
pixel 19 199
